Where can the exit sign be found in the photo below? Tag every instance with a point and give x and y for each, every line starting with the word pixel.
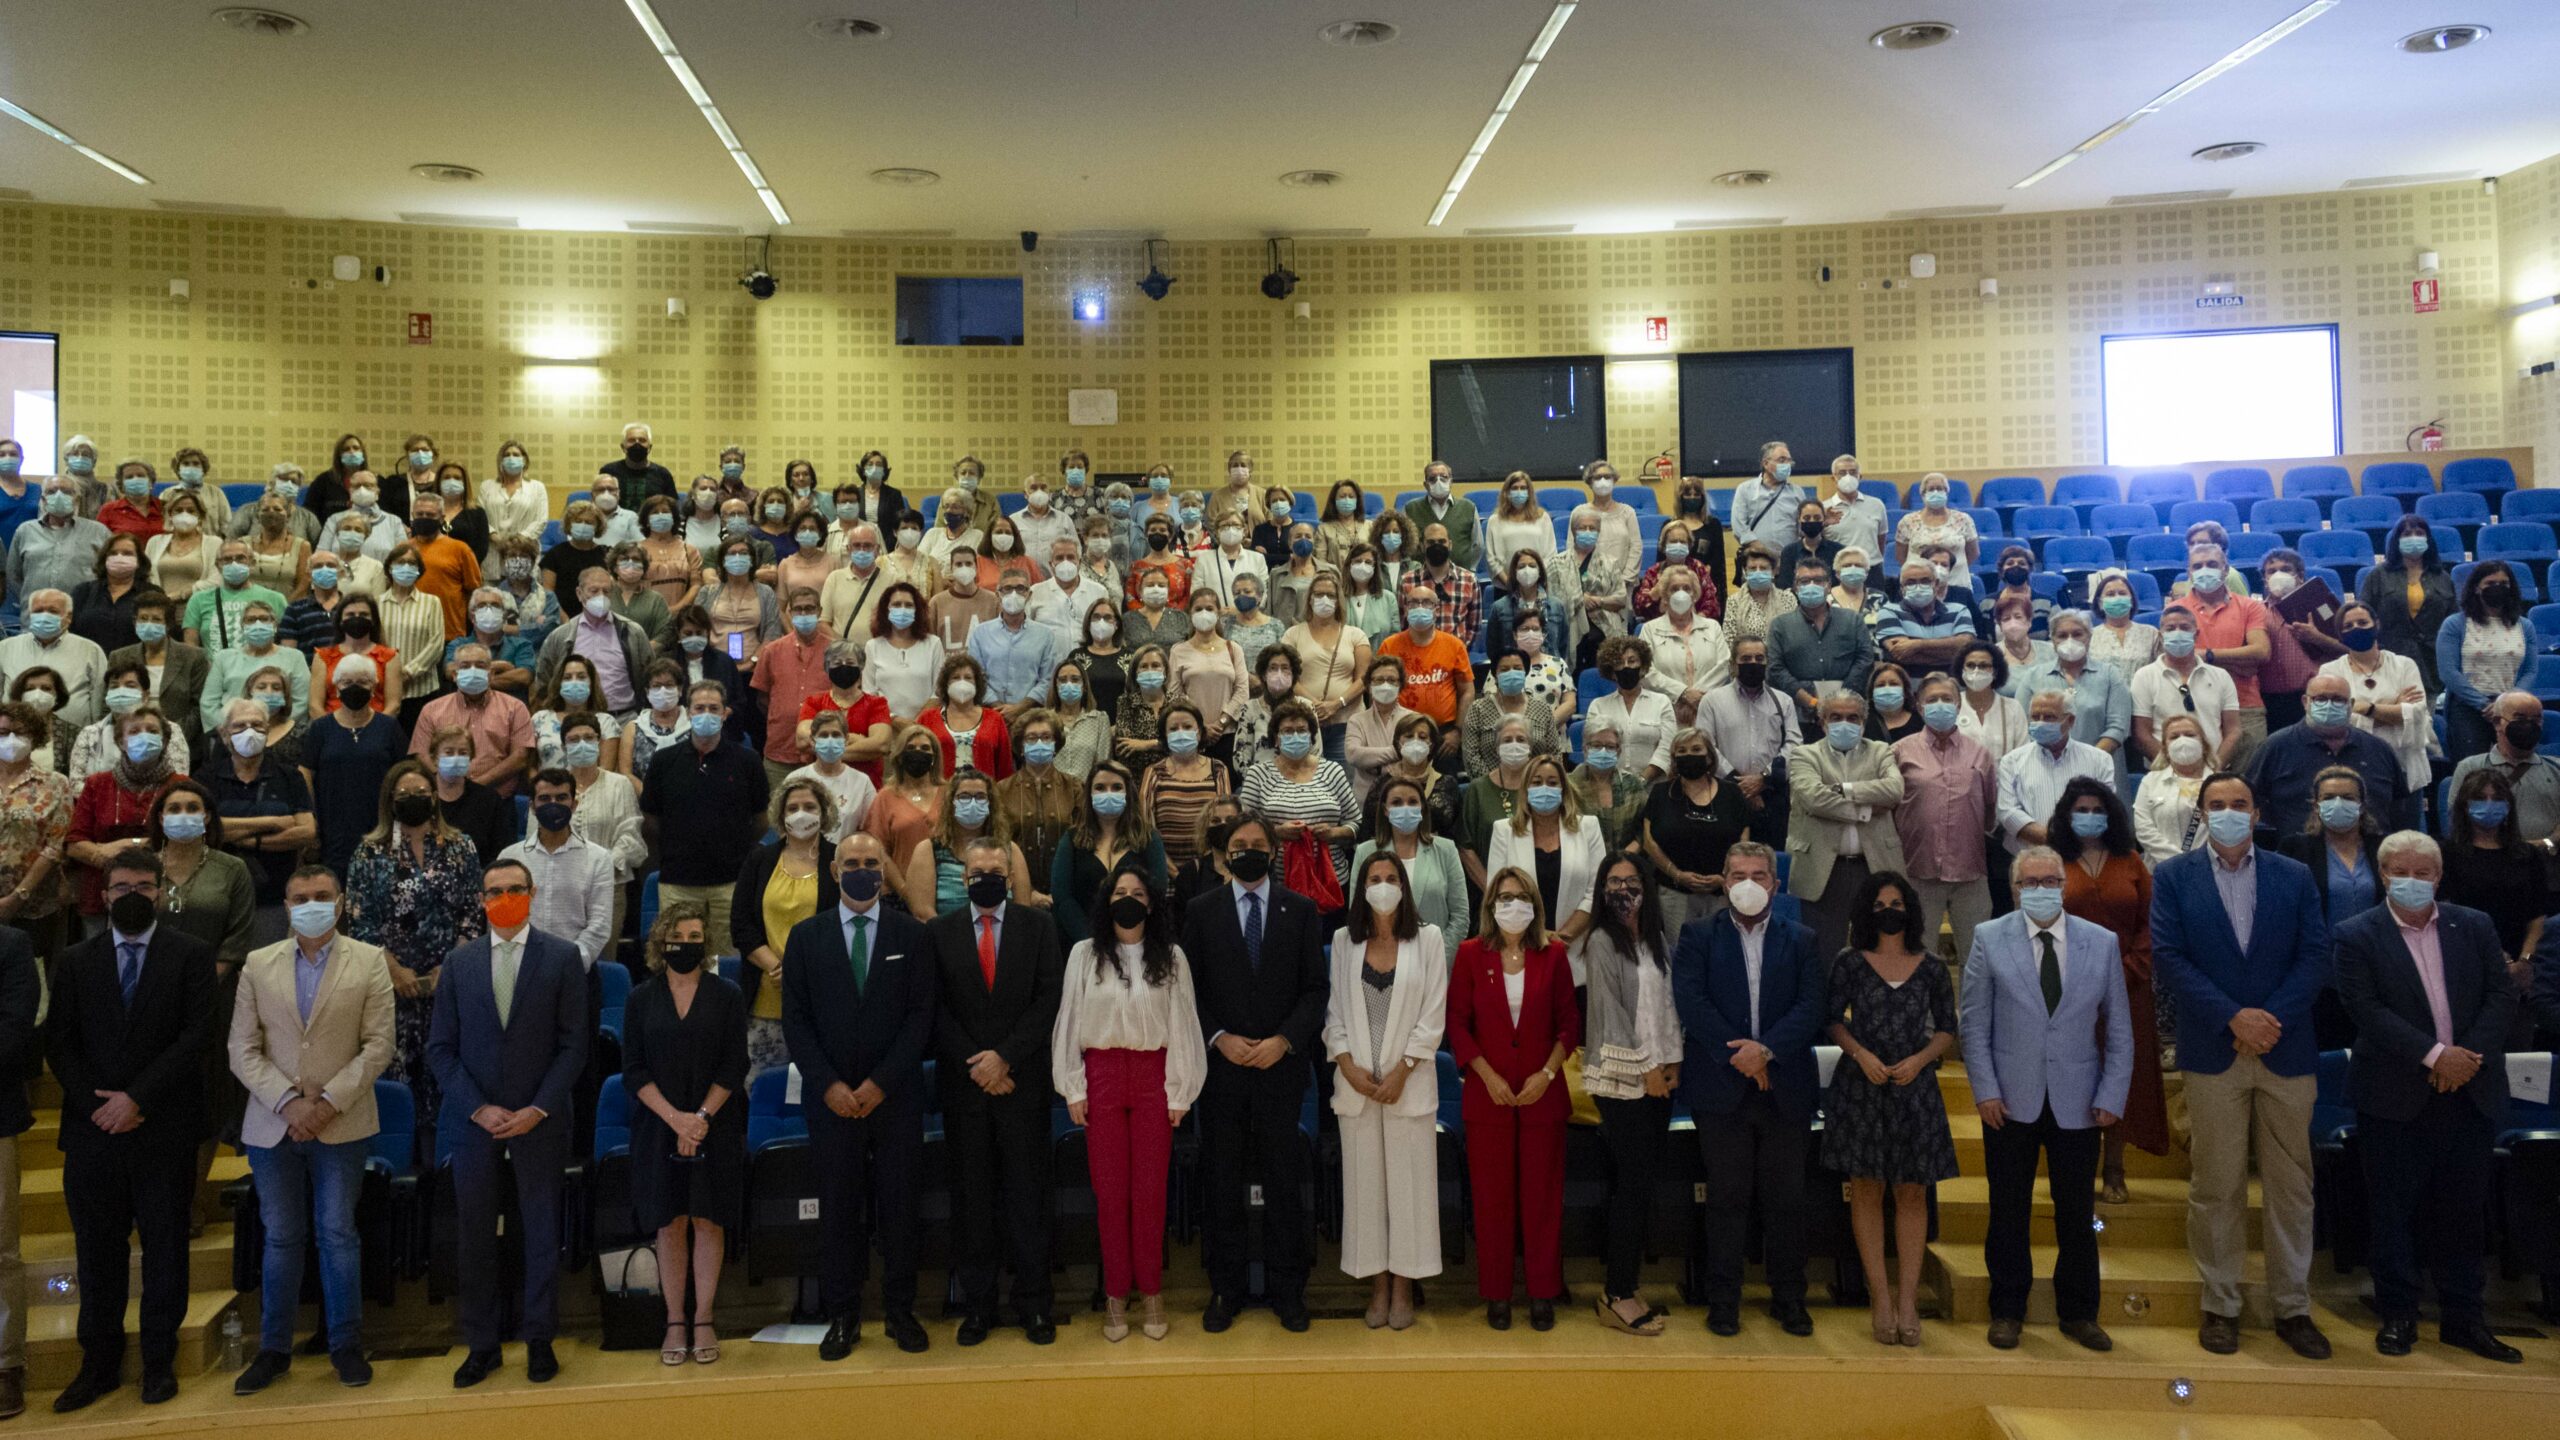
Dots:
pixel 2219 302
pixel 1657 327
pixel 422 328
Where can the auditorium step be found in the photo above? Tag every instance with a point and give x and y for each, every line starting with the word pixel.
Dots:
pixel 53 1341
pixel 2015 1422
pixel 1964 1124
pixel 41 1207
pixel 51 1265
pixel 2138 1285
pixel 2154 1218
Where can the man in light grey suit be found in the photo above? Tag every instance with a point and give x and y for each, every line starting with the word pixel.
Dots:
pixel 2048 1045
pixel 1844 789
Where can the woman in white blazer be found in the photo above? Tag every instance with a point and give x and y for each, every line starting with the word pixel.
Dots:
pixel 1382 1028
pixel 1550 838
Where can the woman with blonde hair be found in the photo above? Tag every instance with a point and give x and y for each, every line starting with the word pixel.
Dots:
pixel 936 881
pixel 911 799
pixel 1559 848
pixel 783 882
pixel 684 1065
pixel 1518 523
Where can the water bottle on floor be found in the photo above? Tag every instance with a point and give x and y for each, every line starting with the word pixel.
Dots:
pixel 233 1342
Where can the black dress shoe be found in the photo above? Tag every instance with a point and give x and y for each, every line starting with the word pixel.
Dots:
pixel 1542 1314
pixel 2004 1334
pixel 1038 1328
pixel 477 1366
pixel 1220 1314
pixel 1292 1310
pixel 840 1338
pixel 318 1344
pixel 85 1390
pixel 2089 1334
pixel 1791 1317
pixel 159 1385
pixel 2304 1337
pixel 2219 1334
pixel 974 1329
pixel 901 1326
pixel 2396 1337
pixel 1724 1320
pixel 265 1368
pixel 354 1371
pixel 540 1365
pixel 2476 1338
pixel 1497 1313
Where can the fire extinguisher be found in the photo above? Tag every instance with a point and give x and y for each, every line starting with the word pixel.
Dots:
pixel 2429 436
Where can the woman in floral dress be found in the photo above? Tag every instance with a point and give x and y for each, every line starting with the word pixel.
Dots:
pixel 413 888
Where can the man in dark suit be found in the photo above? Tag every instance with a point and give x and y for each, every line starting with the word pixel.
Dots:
pixel 20 1054
pixel 1748 987
pixel 857 1011
pixel 2241 945
pixel 507 1042
pixel 2427 984
pixel 135 1011
pixel 1257 954
pixel 1000 971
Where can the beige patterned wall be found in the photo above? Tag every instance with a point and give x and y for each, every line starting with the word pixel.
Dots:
pixel 259 364
pixel 2529 269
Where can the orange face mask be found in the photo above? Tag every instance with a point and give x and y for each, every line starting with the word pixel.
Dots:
pixel 508 911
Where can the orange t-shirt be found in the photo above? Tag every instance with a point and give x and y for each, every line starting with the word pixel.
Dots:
pixel 1431 672
pixel 450 573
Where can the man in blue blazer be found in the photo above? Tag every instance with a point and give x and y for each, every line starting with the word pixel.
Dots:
pixel 857 1011
pixel 2048 1046
pixel 2239 942
pixel 507 1042
pixel 2427 985
pixel 1749 989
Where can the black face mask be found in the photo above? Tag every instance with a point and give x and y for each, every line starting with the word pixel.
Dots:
pixel 636 454
pixel 552 815
pixel 1158 540
pixel 132 914
pixel 1129 913
pixel 988 891
pixel 914 762
pixel 355 697
pixel 1630 676
pixel 859 884
pixel 1891 919
pixel 2524 734
pixel 1437 552
pixel 844 677
pixel 426 527
pixel 2014 576
pixel 1691 767
pixel 682 957
pixel 356 627
pixel 1219 834
pixel 1249 866
pixel 1751 673
pixel 1810 529
pixel 1626 902
pixel 2496 594
pixel 1693 504
pixel 413 809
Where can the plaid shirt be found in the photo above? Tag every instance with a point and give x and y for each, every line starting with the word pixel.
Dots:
pixel 1461 603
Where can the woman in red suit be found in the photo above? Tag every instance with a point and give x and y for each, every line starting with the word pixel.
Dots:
pixel 1512 1022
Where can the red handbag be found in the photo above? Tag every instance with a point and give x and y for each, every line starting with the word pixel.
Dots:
pixel 1306 866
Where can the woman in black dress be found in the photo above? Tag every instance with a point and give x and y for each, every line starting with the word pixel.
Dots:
pixel 2489 867
pixel 1884 1122
pixel 1691 819
pixel 684 1036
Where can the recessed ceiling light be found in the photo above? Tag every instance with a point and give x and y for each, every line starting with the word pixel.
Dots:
pixel 1746 179
pixel 216 207
pixel 2386 182
pixel 51 131
pixel 1916 35
pixel 1945 212
pixel 678 227
pixel 906 175
pixel 2229 150
pixel 848 27
pixel 1357 32
pixel 1519 229
pixel 444 174
pixel 1312 179
pixel 2169 197
pixel 459 222
pixel 1737 222
pixel 249 19
pixel 2442 38
pixel 1520 78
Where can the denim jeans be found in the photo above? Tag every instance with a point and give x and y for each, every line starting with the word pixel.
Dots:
pixel 303 1185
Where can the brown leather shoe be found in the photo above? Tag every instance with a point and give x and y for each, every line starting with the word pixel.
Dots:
pixel 13 1393
pixel 2219 1334
pixel 2088 1334
pixel 2004 1334
pixel 2304 1337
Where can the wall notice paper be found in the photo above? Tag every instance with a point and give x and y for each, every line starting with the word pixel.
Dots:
pixel 1093 407
pixel 791 1334
pixel 2529 1077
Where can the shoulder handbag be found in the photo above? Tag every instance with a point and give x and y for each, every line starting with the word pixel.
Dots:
pixel 1307 867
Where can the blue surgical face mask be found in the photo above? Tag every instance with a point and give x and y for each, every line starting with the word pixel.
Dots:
pixel 1810 595
pixel 2209 580
pixel 2488 814
pixel 732 470
pixel 1585 539
pixel 1759 580
pixel 1421 617
pixel 1391 542
pixel 2181 643
pixel 137 486
pixel 660 522
pixel 738 564
pixel 1939 715
pixel 1676 551
pixel 2088 824
pixel 1075 474
pixel 1160 484
pixel 178 825
pixel 2328 714
pixel 2229 827
pixel 1190 517
pixel 1405 818
pixel 703 724
pixel 901 616
pixel 312 918
pixel 1119 509
pixel 324 577
pixel 44 624
pixel 1602 759
pixel 1109 803
pixel 1511 682
pixel 471 679
pixel 1844 735
pixel 583 753
pixel 453 767
pixel 1888 697
pixel 970 810
pixel 694 644
pixel 1070 692
pixel 2045 732
pixel 1039 752
pixel 2340 813
pixel 150 632
pixel 2411 893
pixel 1934 499
pixel 511 464
pixel 2116 606
pixel 1783 470
pixel 2413 545
pixel 1546 799
pixel 59 503
pixel 583 531
pixel 1150 679
pixel 575 692
pixel 1296 744
pixel 235 574
pixel 142 747
pixel 2041 902
pixel 804 625
pixel 1852 576
pixel 1182 742
pixel 829 748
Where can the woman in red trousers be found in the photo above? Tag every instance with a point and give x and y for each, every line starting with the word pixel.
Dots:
pixel 1128 1058
pixel 1512 1022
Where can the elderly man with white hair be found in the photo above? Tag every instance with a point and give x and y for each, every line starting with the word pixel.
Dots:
pixel 214 617
pixel 80 462
pixel 641 477
pixel 853 592
pixel 59 549
pixel 2031 777
pixel 492 627
pixel 228 673
pixel 46 640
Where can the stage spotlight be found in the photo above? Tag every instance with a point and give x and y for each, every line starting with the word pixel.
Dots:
pixel 1089 306
pixel 1281 280
pixel 1158 284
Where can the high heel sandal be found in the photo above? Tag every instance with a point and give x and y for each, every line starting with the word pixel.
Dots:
pixel 1376 1318
pixel 1888 1332
pixel 706 1350
pixel 2112 1191
pixel 1115 1319
pixel 675 1354
pixel 1154 1326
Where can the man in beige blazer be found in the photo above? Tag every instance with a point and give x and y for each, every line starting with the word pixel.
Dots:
pixel 1840 827
pixel 311 1032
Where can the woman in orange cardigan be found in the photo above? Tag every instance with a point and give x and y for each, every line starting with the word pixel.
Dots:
pixel 1512 1022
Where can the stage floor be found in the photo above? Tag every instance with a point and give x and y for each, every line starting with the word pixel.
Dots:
pixel 1447 1376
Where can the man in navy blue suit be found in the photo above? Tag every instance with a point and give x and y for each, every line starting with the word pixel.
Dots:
pixel 2238 940
pixel 507 1042
pixel 857 1010
pixel 2427 985
pixel 1749 989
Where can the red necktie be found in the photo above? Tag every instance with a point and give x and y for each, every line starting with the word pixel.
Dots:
pixel 987 949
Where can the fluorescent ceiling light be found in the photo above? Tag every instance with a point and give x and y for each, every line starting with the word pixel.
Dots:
pixel 42 126
pixel 2186 87
pixel 1501 108
pixel 701 98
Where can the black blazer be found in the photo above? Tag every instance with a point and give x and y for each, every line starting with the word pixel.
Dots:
pixel 155 1053
pixel 893 508
pixel 878 1035
pixel 19 1056
pixel 2394 1028
pixel 1015 1018
pixel 1285 996
pixel 746 910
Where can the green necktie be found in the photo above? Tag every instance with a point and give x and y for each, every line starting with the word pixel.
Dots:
pixel 2052 973
pixel 502 976
pixel 858 946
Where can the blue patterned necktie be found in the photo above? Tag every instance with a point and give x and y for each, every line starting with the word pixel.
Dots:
pixel 1253 928
pixel 128 969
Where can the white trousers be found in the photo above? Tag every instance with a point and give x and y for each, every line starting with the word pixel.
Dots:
pixel 1390 1195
